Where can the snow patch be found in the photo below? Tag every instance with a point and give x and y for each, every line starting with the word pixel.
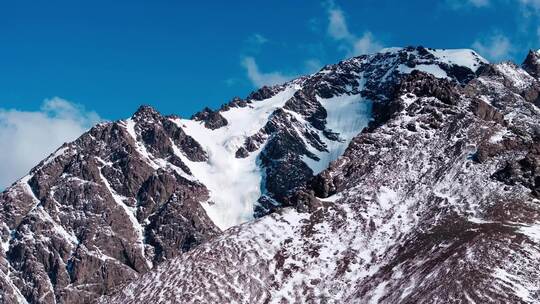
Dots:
pixel 533 232
pixel 462 57
pixel 515 283
pixel 378 293
pixel 519 78
pixel 499 136
pixel 347 115
pixel 387 197
pixel 432 69
pixel 234 183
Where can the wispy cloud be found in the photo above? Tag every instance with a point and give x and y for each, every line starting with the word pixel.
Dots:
pixel 495 47
pixel 531 3
pixel 257 39
pixel 339 31
pixel 254 43
pixel 479 3
pixel 313 65
pixel 530 8
pixel 32 136
pixel 337 26
pixel 259 78
pixel 460 4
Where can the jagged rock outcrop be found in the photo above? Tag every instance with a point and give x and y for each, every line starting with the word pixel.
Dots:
pixel 212 119
pixel 532 63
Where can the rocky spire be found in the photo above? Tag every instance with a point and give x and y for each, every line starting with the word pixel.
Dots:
pixel 532 63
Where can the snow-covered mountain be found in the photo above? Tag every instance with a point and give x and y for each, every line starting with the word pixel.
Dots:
pixel 406 176
pixel 261 148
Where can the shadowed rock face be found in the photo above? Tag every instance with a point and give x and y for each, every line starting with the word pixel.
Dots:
pixel 436 201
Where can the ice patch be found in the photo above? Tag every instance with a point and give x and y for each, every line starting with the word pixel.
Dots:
pixel 332 198
pixel 347 116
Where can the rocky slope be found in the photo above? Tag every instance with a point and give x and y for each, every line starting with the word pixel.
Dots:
pixel 435 200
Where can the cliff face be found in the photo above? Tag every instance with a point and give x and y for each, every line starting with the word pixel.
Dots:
pixel 406 176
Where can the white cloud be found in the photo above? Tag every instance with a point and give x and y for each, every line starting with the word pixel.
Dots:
pixel 259 78
pixel 256 40
pixel 366 44
pixel 459 4
pixel 354 45
pixel 496 47
pixel 479 3
pixel 337 26
pixel 29 137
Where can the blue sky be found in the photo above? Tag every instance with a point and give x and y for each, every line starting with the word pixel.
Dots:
pixel 111 56
pixel 71 63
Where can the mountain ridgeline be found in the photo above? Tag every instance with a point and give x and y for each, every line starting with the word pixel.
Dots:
pixel 411 175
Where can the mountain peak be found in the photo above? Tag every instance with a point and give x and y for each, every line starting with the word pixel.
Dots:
pixel 146 111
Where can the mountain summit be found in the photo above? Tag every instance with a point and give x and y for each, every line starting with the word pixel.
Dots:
pixel 407 176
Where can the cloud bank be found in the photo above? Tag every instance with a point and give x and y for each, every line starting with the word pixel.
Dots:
pixel 29 137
